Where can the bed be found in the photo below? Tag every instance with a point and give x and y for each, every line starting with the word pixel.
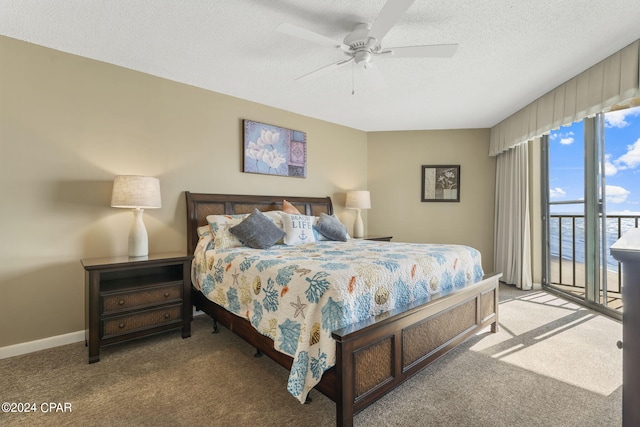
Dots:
pixel 370 355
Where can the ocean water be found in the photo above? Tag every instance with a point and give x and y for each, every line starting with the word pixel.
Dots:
pixel 626 223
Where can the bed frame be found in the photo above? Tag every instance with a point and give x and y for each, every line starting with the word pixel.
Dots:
pixel 374 356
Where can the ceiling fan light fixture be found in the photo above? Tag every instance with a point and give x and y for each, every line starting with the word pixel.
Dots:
pixel 362 57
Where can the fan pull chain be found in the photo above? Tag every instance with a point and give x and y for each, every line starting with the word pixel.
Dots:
pixel 353 78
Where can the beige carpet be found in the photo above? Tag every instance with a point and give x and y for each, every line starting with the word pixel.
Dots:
pixel 552 364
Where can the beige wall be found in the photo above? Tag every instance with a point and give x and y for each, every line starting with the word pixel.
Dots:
pixel 395 174
pixel 68 125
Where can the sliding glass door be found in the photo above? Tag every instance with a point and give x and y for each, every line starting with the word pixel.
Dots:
pixel 591 196
pixel 574 212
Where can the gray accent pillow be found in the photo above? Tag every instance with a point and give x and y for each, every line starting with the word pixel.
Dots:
pixel 331 228
pixel 257 231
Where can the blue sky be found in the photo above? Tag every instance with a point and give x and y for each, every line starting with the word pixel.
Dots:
pixel 622 170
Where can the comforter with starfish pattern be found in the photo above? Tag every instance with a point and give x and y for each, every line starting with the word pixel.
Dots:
pixel 297 295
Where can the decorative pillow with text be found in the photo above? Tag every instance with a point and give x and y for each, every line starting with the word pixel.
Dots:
pixel 298 229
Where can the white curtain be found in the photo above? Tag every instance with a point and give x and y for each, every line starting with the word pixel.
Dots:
pixel 512 241
pixel 615 80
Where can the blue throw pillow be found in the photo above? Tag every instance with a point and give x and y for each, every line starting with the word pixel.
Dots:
pixel 257 231
pixel 331 228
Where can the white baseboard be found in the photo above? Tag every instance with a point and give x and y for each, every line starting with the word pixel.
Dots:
pixel 50 342
pixel 43 344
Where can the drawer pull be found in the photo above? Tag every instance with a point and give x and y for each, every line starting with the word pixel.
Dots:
pixel 121 302
pixel 121 325
pixel 167 315
pixel 167 294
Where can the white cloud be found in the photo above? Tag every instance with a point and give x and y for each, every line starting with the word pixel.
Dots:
pixel 616 194
pixel 565 138
pixel 609 168
pixel 557 193
pixel 618 119
pixel 631 158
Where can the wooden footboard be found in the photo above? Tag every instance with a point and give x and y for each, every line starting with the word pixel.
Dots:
pixel 375 356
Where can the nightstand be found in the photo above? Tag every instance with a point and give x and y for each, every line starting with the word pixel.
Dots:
pixel 128 298
pixel 379 238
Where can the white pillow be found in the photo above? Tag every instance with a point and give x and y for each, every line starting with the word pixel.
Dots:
pixel 298 229
pixel 276 217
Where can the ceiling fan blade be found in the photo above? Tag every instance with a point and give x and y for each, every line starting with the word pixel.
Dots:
pixel 389 15
pixel 426 51
pixel 324 70
pixel 304 34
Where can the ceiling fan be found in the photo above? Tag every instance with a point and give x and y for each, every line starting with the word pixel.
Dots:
pixel 364 43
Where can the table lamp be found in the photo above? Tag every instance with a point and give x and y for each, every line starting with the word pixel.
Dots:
pixel 137 193
pixel 358 200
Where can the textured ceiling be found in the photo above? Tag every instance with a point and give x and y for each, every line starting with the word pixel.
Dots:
pixel 510 52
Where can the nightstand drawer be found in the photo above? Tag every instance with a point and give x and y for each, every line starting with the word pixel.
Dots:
pixel 123 301
pixel 141 320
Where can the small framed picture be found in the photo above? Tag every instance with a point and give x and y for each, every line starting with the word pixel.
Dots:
pixel 440 183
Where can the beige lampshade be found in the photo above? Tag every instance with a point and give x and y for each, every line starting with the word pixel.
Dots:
pixel 358 200
pixel 133 191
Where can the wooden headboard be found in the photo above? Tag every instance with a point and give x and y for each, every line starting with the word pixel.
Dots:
pixel 199 205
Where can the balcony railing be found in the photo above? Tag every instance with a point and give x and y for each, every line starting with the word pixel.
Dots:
pixel 566 243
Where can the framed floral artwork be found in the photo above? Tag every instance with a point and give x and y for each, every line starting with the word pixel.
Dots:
pixel 272 150
pixel 441 183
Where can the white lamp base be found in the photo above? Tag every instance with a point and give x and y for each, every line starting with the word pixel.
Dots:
pixel 358 227
pixel 138 238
